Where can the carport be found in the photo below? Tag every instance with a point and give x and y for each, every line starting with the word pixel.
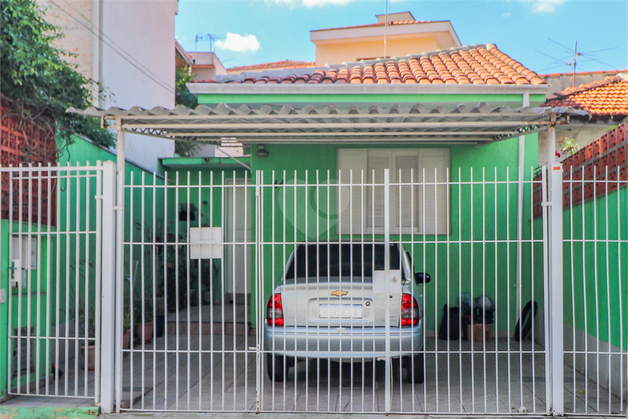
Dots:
pixel 490 376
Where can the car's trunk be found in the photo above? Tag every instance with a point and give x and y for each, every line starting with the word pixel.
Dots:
pixel 341 285
pixel 334 304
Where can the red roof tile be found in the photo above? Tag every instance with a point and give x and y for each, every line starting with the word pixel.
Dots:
pixel 608 97
pixel 477 64
pixel 274 65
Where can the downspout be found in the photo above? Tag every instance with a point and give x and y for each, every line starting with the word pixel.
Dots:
pixel 520 179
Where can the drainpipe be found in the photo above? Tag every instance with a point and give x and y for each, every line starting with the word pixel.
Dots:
pixel 520 178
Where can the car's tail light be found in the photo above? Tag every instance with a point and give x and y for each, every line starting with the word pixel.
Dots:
pixel 409 311
pixel 274 311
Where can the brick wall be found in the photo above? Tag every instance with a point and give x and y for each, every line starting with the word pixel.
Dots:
pixel 25 196
pixel 594 170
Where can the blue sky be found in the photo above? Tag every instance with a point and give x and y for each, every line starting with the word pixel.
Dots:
pixel 540 34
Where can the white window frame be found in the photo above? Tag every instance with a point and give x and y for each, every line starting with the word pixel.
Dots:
pixel 360 211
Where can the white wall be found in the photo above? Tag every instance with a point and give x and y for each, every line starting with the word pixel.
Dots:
pixel 600 361
pixel 138 66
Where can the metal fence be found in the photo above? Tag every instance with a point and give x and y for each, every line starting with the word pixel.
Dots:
pixel 297 291
pixel 50 238
pixel 596 278
pixel 217 348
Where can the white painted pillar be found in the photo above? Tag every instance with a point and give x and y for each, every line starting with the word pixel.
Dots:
pixel 119 246
pixel 520 178
pixel 556 276
pixel 108 289
pixel 388 362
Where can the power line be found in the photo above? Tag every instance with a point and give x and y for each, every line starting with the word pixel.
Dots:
pixel 116 48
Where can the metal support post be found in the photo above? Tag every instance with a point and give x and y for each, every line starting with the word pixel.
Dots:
pixel 119 246
pixel 388 369
pixel 108 288
pixel 556 282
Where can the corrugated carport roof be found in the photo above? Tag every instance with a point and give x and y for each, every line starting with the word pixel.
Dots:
pixel 227 125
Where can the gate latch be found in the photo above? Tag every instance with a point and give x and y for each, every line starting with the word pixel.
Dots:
pixel 16 273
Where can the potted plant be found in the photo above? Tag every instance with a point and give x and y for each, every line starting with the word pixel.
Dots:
pixel 160 316
pixel 126 324
pixel 87 333
pixel 143 314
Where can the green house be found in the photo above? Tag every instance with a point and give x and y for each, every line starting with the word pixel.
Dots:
pixel 463 115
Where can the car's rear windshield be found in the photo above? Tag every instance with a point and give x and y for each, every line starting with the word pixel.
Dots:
pixel 344 262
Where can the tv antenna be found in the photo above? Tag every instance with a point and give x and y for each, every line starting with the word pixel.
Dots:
pixel 204 37
pixel 574 54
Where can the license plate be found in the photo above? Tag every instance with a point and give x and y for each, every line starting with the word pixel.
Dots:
pixel 340 311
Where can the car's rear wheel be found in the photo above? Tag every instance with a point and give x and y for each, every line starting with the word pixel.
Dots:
pixel 277 367
pixel 415 369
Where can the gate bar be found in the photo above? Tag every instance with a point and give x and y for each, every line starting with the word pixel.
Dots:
pixel 108 289
pixel 388 369
pixel 119 267
pixel 556 287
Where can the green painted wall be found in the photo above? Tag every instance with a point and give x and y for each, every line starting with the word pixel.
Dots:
pixel 488 266
pixel 595 254
pixel 513 99
pixel 28 304
pixel 204 194
pixel 4 308
pixel 75 251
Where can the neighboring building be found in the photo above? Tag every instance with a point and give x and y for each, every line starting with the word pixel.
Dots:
pixel 557 82
pixel 276 65
pixel 606 100
pixel 127 48
pixel 201 65
pixel 401 34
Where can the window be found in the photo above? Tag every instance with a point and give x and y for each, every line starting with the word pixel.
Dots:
pixel 418 198
pixel 344 262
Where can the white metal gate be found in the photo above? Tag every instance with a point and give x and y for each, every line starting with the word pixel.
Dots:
pixel 462 229
pixel 471 231
pixel 197 341
pixel 596 293
pixel 50 234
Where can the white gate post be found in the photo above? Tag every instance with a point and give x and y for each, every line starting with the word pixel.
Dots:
pixel 119 260
pixel 556 288
pixel 388 369
pixel 108 288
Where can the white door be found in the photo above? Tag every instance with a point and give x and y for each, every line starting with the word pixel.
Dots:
pixel 237 256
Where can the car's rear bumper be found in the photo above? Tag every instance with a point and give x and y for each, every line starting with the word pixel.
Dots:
pixel 346 344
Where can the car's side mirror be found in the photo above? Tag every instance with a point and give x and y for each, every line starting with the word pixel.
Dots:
pixel 422 278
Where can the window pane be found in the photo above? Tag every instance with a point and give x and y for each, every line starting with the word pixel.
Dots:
pixel 339 262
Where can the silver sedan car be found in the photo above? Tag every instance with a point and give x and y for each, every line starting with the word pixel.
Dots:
pixel 338 302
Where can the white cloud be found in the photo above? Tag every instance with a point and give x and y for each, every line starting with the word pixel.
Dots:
pixel 507 14
pixel 315 3
pixel 239 43
pixel 545 5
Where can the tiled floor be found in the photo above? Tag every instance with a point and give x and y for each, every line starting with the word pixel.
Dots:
pixel 198 372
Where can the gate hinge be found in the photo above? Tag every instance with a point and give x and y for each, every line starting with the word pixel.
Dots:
pixel 99 197
pixel 257 190
pixel 546 204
